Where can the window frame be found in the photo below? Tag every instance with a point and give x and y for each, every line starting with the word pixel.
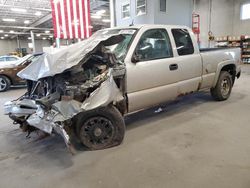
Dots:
pixel 136 8
pixel 176 43
pixel 241 11
pixel 165 7
pixel 170 44
pixel 129 11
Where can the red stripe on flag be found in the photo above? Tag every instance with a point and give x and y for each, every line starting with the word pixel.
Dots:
pixel 59 19
pixel 54 18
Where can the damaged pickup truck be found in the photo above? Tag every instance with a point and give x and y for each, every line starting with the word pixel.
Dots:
pixel 86 89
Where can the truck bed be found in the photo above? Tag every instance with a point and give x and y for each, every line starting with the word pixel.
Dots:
pixel 214 49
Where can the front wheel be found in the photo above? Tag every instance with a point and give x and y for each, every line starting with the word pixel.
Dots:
pixel 101 128
pixel 223 88
pixel 4 83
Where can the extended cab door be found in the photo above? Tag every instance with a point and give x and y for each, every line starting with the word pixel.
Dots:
pixel 188 59
pixel 152 70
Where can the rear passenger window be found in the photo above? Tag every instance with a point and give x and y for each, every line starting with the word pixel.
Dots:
pixel 183 42
pixel 11 59
pixel 154 44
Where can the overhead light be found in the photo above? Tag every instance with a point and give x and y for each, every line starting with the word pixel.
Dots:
pixel 2 37
pixel 8 20
pixel 38 13
pixel 51 36
pixel 18 10
pixel 11 31
pixel 106 20
pixel 1 31
pixel 38 35
pixel 96 16
pixel 6 35
pixel 47 32
pixel 100 12
pixel 26 22
pixel 29 38
pixel 44 38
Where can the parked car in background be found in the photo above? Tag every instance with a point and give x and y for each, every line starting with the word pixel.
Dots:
pixel 7 58
pixel 9 70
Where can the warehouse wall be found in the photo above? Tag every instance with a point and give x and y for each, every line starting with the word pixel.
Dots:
pixel 240 27
pixel 7 46
pixel 145 19
pixel 178 13
pixel 225 19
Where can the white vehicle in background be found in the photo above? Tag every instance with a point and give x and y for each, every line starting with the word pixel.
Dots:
pixel 8 59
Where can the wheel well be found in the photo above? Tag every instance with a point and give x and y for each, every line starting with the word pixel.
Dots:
pixel 231 69
pixel 8 78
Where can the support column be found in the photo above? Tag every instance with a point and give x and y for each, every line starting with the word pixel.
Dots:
pixel 33 41
pixel 112 13
pixel 57 43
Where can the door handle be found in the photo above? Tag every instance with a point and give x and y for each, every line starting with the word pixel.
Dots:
pixel 173 67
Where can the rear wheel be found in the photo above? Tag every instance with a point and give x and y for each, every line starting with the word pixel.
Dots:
pixel 4 83
pixel 101 128
pixel 223 88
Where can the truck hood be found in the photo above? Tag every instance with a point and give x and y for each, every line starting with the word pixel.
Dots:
pixel 50 64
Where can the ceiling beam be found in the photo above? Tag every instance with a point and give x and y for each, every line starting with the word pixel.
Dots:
pixel 23 33
pixel 23 7
pixel 28 28
pixel 42 20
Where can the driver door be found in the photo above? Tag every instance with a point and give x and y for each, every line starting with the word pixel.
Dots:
pixel 152 77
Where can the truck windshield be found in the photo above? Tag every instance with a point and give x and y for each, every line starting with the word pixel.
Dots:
pixel 120 50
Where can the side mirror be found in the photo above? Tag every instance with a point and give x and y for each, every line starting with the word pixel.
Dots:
pixel 26 62
pixel 135 58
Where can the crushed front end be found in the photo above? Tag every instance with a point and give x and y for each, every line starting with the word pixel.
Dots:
pixel 53 103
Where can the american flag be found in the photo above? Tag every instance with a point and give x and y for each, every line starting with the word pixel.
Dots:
pixel 71 19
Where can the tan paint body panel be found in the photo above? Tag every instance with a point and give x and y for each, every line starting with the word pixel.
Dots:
pixel 150 83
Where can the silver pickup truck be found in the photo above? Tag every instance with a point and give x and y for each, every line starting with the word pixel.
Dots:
pixel 86 89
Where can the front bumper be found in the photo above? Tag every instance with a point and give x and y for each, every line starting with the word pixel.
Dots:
pixel 18 109
pixel 47 121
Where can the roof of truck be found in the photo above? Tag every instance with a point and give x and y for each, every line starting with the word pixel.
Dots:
pixel 149 26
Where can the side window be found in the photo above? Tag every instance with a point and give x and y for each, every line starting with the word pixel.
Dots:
pixel 154 44
pixel 126 10
pixel 183 42
pixel 2 59
pixel 141 7
pixel 11 59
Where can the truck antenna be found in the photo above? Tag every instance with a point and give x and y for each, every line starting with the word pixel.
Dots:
pixel 132 24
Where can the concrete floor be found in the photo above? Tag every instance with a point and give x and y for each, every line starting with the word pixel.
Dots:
pixel 194 142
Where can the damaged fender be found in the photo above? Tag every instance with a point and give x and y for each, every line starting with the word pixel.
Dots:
pixel 64 110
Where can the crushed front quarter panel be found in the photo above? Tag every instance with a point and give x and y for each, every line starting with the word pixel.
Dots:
pixel 107 93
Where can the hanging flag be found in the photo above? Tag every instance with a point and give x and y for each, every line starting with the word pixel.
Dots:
pixel 71 19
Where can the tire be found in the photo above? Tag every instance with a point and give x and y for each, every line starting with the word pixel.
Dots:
pixel 4 83
pixel 223 88
pixel 100 128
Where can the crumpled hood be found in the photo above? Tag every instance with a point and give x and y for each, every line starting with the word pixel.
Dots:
pixel 50 64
